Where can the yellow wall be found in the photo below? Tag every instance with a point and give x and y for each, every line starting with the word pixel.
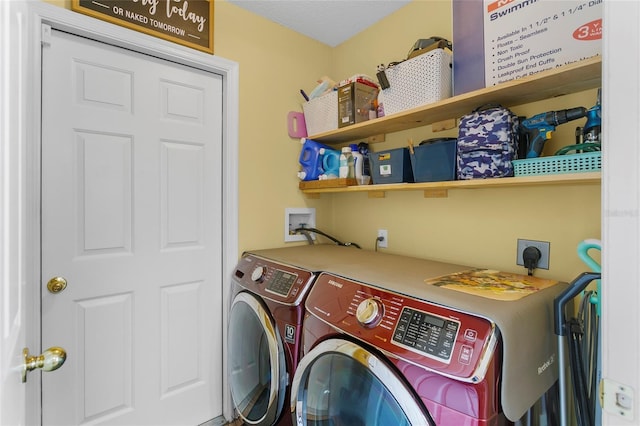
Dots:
pixel 475 227
pixel 275 63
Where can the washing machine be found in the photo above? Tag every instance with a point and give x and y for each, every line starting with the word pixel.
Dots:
pixel 393 340
pixel 269 288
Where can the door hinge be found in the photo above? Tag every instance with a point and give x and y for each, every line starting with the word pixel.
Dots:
pixel 45 35
pixel 616 398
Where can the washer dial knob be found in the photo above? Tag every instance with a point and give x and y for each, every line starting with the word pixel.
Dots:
pixel 369 312
pixel 258 274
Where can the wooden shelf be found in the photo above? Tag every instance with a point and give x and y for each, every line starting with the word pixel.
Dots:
pixel 576 77
pixel 440 189
pixel 563 80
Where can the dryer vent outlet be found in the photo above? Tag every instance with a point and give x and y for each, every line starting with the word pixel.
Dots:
pixel 295 218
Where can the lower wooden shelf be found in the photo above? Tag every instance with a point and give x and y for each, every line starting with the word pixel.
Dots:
pixel 440 189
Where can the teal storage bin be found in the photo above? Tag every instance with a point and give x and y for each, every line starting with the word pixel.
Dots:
pixel 391 166
pixel 434 160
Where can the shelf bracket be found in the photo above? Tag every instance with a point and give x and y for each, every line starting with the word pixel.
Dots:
pixel 376 194
pixel 312 195
pixel 440 126
pixel 436 193
pixel 376 138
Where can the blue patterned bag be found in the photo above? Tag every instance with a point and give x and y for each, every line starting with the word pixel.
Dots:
pixel 487 143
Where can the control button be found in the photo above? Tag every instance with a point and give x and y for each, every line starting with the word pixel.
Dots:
pixel 258 274
pixel 470 335
pixel 466 352
pixel 369 312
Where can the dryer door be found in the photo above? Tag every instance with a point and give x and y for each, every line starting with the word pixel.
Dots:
pixel 257 367
pixel 342 383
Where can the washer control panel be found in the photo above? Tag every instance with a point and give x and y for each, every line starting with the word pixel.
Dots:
pixel 439 338
pixel 424 332
pixel 273 280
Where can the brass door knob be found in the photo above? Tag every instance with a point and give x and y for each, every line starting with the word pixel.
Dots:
pixel 56 285
pixel 49 360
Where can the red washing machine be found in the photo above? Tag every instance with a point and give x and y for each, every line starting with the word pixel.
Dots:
pixel 265 323
pixel 447 362
pixel 269 288
pixel 395 354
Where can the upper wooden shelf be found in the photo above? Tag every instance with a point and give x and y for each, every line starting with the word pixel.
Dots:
pixel 560 81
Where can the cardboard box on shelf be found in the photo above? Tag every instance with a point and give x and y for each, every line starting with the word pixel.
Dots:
pixel 355 100
pixel 500 40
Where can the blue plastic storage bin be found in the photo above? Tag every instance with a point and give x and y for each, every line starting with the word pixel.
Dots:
pixel 391 166
pixel 434 161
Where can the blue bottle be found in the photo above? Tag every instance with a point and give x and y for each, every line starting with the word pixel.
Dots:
pixel 331 163
pixel 311 159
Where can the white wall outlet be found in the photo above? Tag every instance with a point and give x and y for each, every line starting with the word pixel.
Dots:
pixel 295 218
pixel 382 241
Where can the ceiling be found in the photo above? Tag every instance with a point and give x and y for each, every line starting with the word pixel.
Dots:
pixel 328 21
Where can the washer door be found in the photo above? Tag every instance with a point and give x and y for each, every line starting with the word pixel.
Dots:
pixel 258 376
pixel 342 383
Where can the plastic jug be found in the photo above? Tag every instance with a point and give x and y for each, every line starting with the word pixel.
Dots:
pixel 331 163
pixel 358 162
pixel 346 169
pixel 311 159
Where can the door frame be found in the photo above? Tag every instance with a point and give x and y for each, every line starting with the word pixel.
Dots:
pixel 31 38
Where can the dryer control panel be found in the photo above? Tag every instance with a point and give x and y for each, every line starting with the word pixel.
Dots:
pixel 453 343
pixel 272 280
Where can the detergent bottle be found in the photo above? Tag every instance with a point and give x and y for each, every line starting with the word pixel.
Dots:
pixel 330 164
pixel 346 163
pixel 311 159
pixel 358 162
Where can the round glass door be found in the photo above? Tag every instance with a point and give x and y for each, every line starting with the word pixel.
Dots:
pixel 341 383
pixel 257 369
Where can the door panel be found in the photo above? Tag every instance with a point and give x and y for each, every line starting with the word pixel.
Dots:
pixel 131 217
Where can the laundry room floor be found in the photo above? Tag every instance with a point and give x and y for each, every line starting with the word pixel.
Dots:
pixel 219 421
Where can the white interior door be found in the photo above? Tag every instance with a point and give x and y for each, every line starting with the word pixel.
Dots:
pixel 131 219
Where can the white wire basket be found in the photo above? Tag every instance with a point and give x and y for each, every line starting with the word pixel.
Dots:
pixel 418 81
pixel 321 113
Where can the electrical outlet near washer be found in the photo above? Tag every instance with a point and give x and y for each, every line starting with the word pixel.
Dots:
pixel 543 246
pixel 382 241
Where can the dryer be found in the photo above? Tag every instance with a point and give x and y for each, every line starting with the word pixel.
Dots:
pixel 382 345
pixel 268 291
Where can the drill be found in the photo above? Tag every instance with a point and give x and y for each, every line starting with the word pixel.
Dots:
pixel 537 129
pixel 593 126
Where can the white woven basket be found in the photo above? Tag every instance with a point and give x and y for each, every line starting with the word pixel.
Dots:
pixel 321 114
pixel 418 81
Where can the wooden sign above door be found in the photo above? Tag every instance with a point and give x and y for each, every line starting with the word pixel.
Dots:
pixel 189 23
